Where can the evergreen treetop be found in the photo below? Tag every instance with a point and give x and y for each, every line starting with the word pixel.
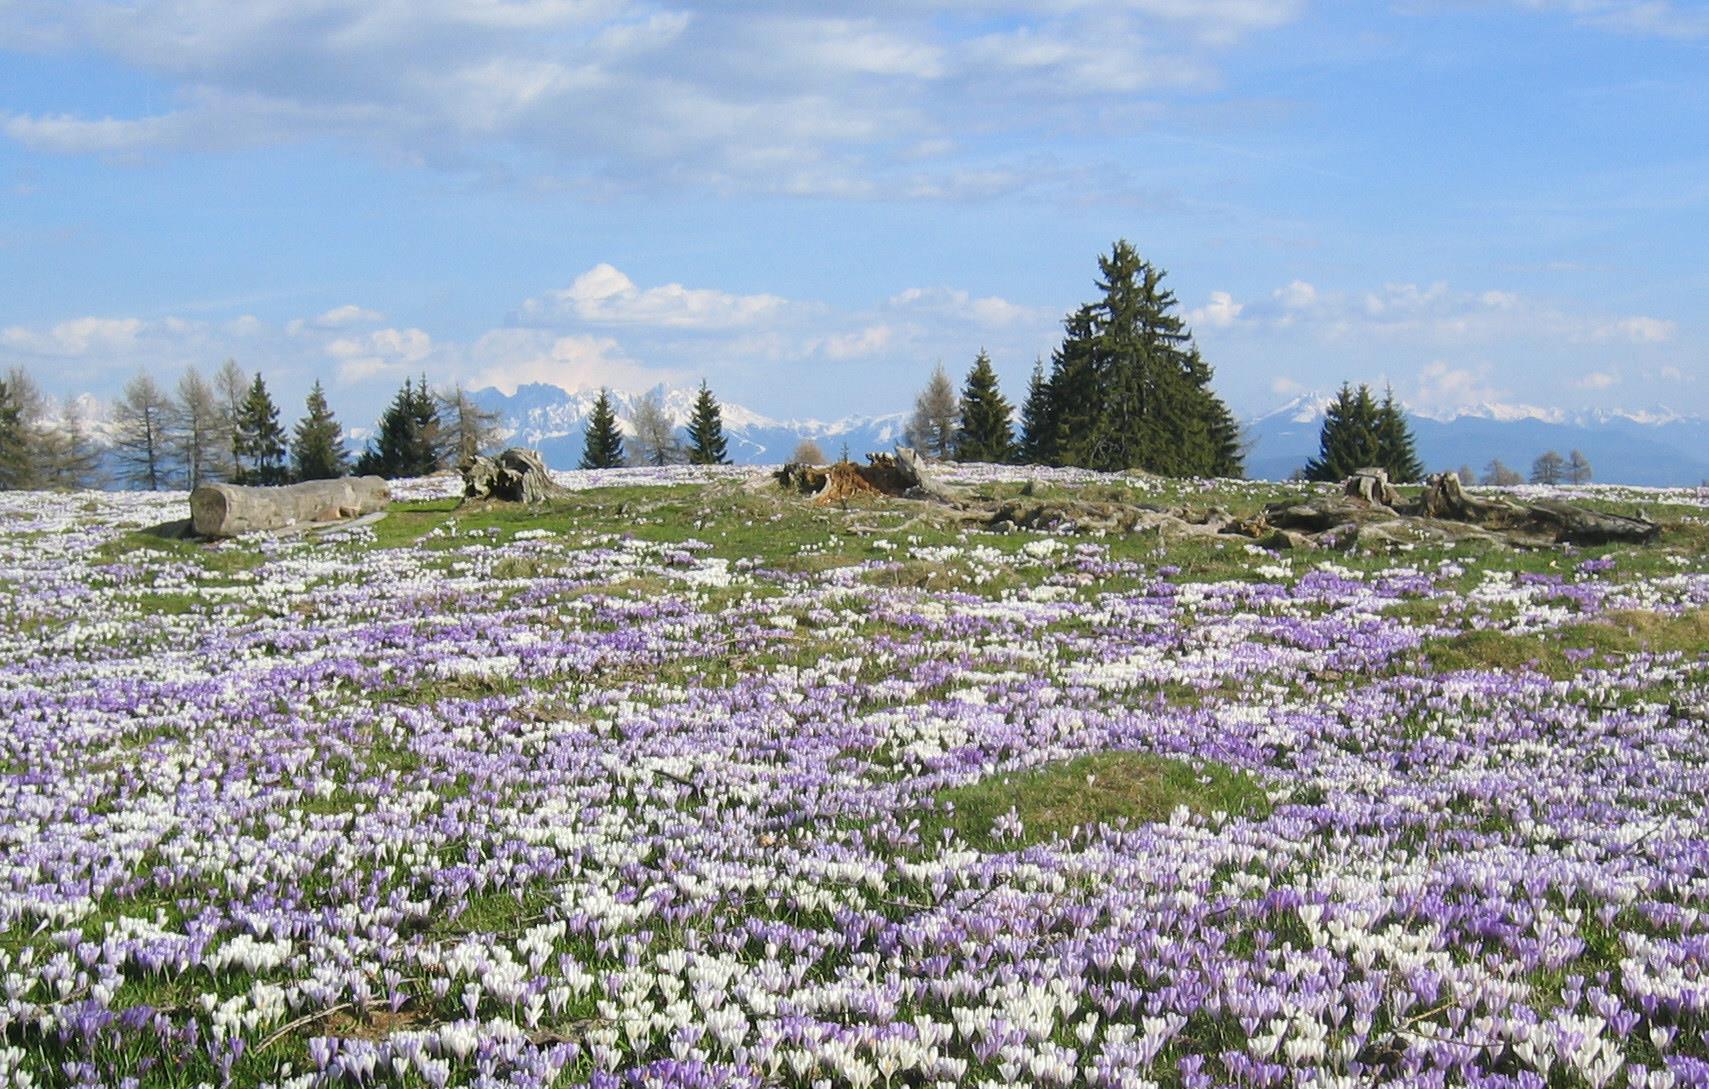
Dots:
pixel 1127 387
pixel 986 433
pixel 1395 445
pixel 706 442
pixel 1348 441
pixel 603 447
pixel 14 447
pixel 317 447
pixel 407 441
pixel 260 438
pixel 1037 444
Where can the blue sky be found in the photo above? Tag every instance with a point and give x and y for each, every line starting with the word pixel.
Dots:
pixel 811 204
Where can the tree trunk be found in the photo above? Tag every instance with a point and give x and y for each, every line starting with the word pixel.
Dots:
pixel 226 510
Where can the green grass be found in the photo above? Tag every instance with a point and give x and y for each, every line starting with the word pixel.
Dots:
pixel 1607 638
pixel 1102 788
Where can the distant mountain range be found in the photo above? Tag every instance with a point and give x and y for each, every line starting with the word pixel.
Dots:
pixel 553 421
pixel 1654 448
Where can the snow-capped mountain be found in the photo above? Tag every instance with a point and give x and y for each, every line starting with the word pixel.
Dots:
pixel 554 421
pixel 1650 446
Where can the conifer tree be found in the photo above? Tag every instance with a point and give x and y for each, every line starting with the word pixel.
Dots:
pixel 986 433
pixel 317 446
pixel 1397 452
pixel 260 437
pixel 75 460
pixel 1348 441
pixel 706 442
pixel 428 453
pixel 1074 393
pixel 603 446
pixel 15 469
pixel 1128 389
pixel 406 441
pixel 1037 444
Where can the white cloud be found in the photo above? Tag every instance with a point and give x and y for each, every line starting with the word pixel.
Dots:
pixel 857 344
pixel 1597 380
pixel 1653 18
pixel 1442 386
pixel 65 134
pixel 1218 313
pixel 612 94
pixel 605 296
pixel 1298 295
pixel 1283 386
pixel 74 337
pixel 508 358
pixel 381 352
pixel 1639 330
pixel 340 316
pixel 989 310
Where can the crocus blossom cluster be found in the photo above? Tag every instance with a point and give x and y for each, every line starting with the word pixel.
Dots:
pixel 592 808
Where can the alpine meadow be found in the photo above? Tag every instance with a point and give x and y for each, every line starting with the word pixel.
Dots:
pixel 1122 544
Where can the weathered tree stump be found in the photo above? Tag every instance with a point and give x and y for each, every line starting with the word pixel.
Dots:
pixel 518 475
pixel 226 510
pixel 917 477
pixel 1371 485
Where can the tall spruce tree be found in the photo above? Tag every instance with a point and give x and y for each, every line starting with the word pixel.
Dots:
pixel 986 432
pixel 1037 444
pixel 1349 440
pixel 15 469
pixel 603 446
pixel 1397 452
pixel 317 445
pixel 1128 389
pixel 1075 399
pixel 260 441
pixel 706 442
pixel 406 443
pixel 1360 432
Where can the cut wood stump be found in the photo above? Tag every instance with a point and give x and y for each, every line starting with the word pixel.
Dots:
pixel 227 510
pixel 519 475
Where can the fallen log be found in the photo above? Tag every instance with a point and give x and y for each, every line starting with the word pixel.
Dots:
pixel 227 510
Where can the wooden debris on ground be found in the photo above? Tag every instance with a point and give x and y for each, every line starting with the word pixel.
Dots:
pixel 518 475
pixel 1367 511
pixel 228 510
